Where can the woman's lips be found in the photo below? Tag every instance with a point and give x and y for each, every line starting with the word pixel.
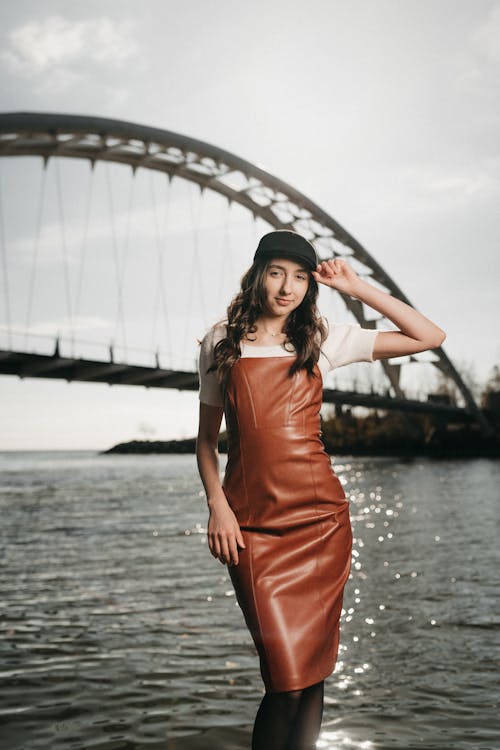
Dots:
pixel 283 302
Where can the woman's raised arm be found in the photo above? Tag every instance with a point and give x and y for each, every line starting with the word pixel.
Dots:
pixel 417 333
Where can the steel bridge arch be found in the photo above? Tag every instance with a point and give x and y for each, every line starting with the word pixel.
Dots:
pixel 266 196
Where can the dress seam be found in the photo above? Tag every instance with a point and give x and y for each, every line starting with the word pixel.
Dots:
pixel 320 523
pixel 250 398
pixel 257 614
pixel 290 399
pixel 244 476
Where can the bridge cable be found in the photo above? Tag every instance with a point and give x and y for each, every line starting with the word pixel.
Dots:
pixel 161 242
pixel 227 270
pixel 36 244
pixel 196 269
pixel 126 241
pixel 120 317
pixel 227 258
pixel 64 249
pixel 256 231
pixel 83 249
pixel 5 269
pixel 166 217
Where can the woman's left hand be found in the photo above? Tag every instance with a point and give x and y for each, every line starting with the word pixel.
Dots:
pixel 338 274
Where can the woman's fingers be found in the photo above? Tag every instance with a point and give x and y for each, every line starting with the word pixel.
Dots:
pixel 234 541
pixel 233 551
pixel 213 543
pixel 333 266
pixel 224 547
pixel 224 535
pixel 327 269
pixel 336 273
pixel 239 538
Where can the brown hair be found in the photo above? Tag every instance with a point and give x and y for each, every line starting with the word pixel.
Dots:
pixel 304 328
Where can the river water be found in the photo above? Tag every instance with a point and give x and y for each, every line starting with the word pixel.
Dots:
pixel 119 630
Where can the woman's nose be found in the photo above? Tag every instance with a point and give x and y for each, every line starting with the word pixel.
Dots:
pixel 286 285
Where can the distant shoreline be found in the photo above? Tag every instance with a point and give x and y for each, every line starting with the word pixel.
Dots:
pixel 475 448
pixel 394 433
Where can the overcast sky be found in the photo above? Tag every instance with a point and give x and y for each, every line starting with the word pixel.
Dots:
pixel 384 112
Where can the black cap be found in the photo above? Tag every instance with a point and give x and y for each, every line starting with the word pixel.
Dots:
pixel 283 242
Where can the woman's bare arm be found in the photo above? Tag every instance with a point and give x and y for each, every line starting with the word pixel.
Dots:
pixel 207 454
pixel 417 333
pixel 223 531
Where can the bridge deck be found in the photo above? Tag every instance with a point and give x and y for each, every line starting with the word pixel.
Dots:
pixel 30 365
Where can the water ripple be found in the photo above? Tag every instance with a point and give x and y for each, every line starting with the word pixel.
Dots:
pixel 119 630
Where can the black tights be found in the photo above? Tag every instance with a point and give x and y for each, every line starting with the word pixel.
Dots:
pixel 290 720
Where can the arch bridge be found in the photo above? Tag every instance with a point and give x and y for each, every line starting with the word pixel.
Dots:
pixel 260 194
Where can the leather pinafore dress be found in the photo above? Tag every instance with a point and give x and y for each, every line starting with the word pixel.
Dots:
pixel 294 517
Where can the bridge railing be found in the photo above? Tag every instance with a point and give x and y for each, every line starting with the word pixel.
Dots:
pixel 31 342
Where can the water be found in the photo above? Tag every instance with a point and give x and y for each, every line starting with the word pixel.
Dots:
pixel 120 631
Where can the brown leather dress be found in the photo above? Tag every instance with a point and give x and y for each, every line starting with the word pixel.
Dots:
pixel 294 517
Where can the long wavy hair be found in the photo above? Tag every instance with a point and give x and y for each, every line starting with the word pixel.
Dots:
pixel 304 328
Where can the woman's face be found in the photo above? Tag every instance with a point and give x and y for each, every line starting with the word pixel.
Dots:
pixel 285 284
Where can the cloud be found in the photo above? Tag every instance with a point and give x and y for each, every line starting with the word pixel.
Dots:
pixel 486 38
pixel 428 190
pixel 56 45
pixel 476 63
pixel 464 184
pixel 437 184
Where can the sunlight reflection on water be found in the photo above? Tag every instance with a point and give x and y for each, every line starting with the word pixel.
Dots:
pixel 334 740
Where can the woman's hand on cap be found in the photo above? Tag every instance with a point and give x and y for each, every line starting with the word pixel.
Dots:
pixel 337 274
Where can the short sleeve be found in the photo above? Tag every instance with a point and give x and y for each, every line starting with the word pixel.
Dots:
pixel 347 343
pixel 210 390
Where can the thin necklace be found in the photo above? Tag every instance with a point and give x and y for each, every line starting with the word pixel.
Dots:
pixel 278 333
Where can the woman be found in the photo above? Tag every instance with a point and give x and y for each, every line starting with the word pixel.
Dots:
pixel 280 518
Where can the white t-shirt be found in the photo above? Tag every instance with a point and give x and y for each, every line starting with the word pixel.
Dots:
pixel 345 343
